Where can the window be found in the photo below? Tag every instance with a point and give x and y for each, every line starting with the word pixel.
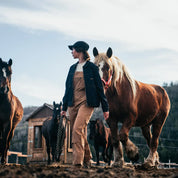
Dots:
pixel 38 137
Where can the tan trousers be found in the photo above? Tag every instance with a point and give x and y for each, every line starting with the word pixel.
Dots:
pixel 79 118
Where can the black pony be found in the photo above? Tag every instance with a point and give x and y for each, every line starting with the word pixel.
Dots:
pixel 102 138
pixel 51 132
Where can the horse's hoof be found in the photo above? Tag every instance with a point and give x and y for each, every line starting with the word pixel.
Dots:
pixel 149 164
pixel 132 153
pixel 3 163
pixel 136 158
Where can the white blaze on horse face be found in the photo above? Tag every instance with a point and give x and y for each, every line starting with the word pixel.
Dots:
pixel 100 65
pixel 4 72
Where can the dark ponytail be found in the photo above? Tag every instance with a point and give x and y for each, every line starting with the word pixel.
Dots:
pixel 86 55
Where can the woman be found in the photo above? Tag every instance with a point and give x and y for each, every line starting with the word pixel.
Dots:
pixel 83 92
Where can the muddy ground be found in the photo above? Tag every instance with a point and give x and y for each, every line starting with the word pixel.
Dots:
pixel 53 171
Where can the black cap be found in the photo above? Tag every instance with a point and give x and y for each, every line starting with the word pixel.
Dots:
pixel 79 46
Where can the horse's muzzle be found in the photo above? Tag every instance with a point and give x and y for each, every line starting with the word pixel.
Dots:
pixel 4 90
pixel 106 84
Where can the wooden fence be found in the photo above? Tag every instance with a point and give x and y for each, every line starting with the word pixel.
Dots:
pixel 18 154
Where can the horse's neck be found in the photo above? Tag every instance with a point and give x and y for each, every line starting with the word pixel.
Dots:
pixel 100 129
pixel 54 119
pixel 122 88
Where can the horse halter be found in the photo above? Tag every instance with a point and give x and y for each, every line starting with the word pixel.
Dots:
pixel 107 84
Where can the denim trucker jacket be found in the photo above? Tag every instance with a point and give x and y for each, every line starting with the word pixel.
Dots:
pixel 93 87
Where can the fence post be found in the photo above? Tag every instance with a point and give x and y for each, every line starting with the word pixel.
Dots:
pixel 17 159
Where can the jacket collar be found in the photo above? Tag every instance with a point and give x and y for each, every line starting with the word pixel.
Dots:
pixel 86 64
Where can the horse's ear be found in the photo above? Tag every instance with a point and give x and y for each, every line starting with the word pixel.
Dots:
pixel 0 60
pixel 109 52
pixel 54 103
pixel 10 62
pixel 95 52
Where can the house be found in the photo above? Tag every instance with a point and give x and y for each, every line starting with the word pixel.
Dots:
pixel 36 146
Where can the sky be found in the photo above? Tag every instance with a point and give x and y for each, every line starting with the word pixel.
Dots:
pixel 36 35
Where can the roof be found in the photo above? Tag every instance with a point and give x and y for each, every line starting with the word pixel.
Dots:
pixel 39 109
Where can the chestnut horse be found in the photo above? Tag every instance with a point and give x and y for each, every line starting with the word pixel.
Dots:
pixel 132 103
pixel 11 110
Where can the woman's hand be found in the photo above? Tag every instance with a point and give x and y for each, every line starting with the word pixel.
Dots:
pixel 106 115
pixel 63 113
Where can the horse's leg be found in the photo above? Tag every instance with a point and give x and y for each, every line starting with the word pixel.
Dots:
pixel 14 123
pixel 130 148
pixel 1 141
pixel 104 153
pixel 97 152
pixel 109 151
pixel 5 143
pixel 48 150
pixel 3 151
pixel 146 131
pixel 153 157
pixel 110 154
pixel 117 146
pixel 53 145
pixel 11 134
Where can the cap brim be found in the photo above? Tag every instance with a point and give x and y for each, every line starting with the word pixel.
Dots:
pixel 70 47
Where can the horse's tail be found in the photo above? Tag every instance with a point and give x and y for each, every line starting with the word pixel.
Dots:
pixel 166 104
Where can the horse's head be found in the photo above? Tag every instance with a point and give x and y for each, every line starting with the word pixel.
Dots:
pixel 96 128
pixel 57 110
pixel 112 70
pixel 5 76
pixel 103 61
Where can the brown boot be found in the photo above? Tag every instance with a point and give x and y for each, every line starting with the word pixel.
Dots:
pixel 77 166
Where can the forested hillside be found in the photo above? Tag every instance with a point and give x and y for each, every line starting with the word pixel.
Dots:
pixel 169 136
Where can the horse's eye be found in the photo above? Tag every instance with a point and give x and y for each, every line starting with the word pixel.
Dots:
pixel 98 65
pixel 105 68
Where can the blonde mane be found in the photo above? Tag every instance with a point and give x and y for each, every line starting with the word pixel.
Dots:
pixel 118 68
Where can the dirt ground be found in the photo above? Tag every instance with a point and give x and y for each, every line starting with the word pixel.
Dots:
pixel 53 171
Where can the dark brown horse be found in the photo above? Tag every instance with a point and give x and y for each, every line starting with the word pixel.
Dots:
pixel 11 110
pixel 102 139
pixel 132 103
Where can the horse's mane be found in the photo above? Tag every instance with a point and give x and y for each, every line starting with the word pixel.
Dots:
pixel 118 68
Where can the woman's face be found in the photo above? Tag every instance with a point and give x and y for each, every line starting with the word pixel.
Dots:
pixel 75 54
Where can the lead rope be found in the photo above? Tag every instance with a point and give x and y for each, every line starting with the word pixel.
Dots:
pixel 60 137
